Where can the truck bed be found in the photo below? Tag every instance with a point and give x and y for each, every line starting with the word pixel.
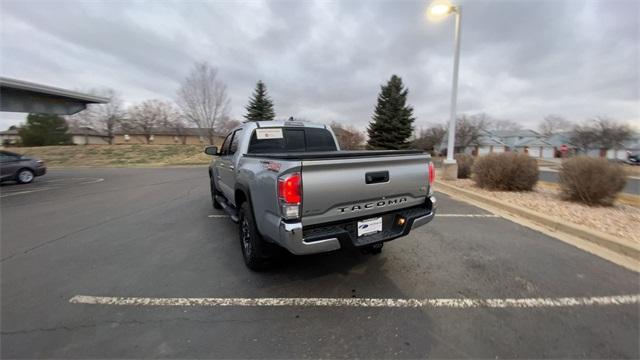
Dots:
pixel 333 154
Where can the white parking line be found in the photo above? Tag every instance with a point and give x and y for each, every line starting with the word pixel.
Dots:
pixel 92 181
pixel 468 215
pixel 218 216
pixel 362 302
pixel 25 192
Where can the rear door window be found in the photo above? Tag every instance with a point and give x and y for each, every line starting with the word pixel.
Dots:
pixel 294 140
pixel 319 140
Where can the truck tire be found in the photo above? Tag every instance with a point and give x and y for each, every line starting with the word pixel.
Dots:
pixel 257 255
pixel 214 192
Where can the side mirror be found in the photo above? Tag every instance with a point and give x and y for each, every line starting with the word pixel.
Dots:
pixel 211 150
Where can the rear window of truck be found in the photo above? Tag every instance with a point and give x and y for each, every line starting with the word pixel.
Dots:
pixel 293 140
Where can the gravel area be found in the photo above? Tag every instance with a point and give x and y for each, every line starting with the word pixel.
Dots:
pixel 618 220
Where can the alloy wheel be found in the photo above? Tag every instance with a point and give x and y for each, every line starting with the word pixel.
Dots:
pixel 25 176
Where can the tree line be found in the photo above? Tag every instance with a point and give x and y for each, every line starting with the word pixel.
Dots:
pixel 597 132
pixel 202 101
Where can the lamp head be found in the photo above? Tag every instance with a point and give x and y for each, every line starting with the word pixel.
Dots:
pixel 439 9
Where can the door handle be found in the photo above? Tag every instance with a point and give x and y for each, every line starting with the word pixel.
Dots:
pixel 376 177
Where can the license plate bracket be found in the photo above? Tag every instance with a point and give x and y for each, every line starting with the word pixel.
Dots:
pixel 369 226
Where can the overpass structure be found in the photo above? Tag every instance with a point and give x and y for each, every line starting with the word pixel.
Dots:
pixel 23 96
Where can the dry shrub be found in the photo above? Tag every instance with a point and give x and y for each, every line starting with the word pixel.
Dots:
pixel 593 181
pixel 465 162
pixel 506 171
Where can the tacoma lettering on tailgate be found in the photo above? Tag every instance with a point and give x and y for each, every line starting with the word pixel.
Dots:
pixel 370 205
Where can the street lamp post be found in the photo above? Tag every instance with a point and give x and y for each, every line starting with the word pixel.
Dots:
pixel 438 10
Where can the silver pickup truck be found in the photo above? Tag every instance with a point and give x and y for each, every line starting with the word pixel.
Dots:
pixel 289 186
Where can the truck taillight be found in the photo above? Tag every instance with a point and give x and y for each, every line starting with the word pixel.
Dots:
pixel 290 195
pixel 289 189
pixel 432 173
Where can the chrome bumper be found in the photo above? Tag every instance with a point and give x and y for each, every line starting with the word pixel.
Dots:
pixel 417 222
pixel 290 235
pixel 291 238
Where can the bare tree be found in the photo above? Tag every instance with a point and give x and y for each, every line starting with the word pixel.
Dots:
pixel 428 139
pixel 177 124
pixel 611 134
pixel 505 125
pixel 554 123
pixel 203 98
pixel 149 115
pixel 469 129
pixel 83 121
pixel 226 124
pixel 584 137
pixel 104 117
pixel 349 138
pixel 600 132
pixel 171 118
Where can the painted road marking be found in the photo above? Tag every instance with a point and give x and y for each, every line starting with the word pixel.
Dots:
pixel 468 215
pixel 362 302
pixel 218 216
pixel 96 180
pixel 57 181
pixel 25 192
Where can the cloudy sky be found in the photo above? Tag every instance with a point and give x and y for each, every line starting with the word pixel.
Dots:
pixel 325 60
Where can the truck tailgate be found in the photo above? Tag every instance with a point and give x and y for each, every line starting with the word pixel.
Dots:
pixel 343 188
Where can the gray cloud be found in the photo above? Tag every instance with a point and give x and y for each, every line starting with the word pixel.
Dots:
pixel 325 60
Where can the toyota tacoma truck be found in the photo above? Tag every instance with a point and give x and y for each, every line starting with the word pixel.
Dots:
pixel 289 186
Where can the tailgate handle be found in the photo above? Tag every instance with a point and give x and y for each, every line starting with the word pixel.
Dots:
pixel 376 177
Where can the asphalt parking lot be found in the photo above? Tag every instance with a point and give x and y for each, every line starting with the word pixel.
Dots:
pixel 152 233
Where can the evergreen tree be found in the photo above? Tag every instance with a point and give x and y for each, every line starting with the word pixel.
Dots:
pixel 43 130
pixel 393 118
pixel 260 105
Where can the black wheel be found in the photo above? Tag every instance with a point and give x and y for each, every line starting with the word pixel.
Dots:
pixel 257 254
pixel 214 192
pixel 24 176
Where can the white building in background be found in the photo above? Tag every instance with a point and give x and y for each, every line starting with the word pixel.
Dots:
pixel 523 141
pixel 9 137
pixel 527 141
pixel 543 147
pixel 487 144
pixel 85 135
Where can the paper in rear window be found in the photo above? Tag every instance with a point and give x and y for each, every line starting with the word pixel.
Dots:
pixel 263 134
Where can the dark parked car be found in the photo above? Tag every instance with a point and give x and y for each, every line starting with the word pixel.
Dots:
pixel 633 158
pixel 20 168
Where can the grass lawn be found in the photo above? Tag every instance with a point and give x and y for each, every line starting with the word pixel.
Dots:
pixel 117 155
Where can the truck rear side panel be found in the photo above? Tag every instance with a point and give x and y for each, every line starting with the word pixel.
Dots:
pixel 341 189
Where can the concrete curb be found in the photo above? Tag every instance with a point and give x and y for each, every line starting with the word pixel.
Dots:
pixel 620 246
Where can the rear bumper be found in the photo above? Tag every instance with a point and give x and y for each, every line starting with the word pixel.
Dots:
pixel 329 237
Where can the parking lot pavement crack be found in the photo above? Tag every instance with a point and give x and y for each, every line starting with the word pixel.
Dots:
pixel 24 252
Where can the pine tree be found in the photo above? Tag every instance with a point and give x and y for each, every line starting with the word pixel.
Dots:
pixel 260 106
pixel 44 129
pixel 393 118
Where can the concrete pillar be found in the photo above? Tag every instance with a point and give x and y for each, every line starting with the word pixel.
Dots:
pixel 450 170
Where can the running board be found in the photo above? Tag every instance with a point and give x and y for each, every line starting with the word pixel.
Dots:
pixel 230 210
